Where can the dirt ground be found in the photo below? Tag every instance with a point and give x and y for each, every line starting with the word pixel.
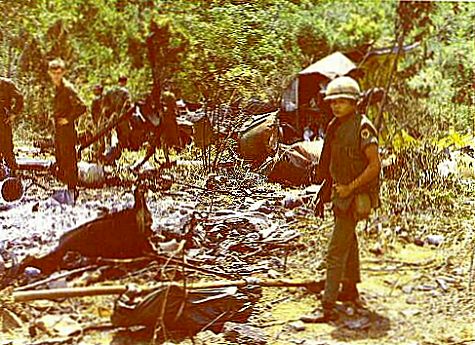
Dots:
pixel 418 289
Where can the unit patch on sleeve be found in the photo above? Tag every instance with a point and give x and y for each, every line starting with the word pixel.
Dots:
pixel 365 133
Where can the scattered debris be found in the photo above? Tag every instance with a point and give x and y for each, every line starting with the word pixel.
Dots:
pixel 104 237
pixel 178 310
pixel 435 239
pixel 442 283
pixel 410 312
pixel 297 326
pixel 244 334
pixel 91 174
pixel 293 164
pixel 215 227
pixel 10 320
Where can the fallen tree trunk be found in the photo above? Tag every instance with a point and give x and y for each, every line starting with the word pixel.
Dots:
pixel 24 296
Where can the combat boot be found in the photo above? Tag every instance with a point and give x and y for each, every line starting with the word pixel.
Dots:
pixel 349 293
pixel 321 315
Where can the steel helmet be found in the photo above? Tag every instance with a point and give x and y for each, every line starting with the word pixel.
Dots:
pixel 342 87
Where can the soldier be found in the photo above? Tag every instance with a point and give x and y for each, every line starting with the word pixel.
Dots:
pixel 67 107
pixel 350 168
pixel 116 103
pixel 168 128
pixel 96 105
pixel 11 104
pixel 164 130
pixel 97 117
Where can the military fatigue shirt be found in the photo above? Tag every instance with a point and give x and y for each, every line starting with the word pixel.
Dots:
pixel 116 101
pixel 67 103
pixel 344 159
pixel 96 109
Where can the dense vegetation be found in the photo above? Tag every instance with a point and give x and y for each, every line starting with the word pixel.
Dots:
pixel 221 50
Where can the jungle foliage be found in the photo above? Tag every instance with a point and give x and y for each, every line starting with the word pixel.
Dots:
pixel 215 50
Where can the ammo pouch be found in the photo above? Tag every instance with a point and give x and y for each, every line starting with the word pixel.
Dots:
pixel 362 206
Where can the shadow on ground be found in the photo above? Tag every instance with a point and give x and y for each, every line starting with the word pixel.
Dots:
pixel 365 324
pixel 146 337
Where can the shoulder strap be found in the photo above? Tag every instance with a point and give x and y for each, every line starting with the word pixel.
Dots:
pixel 323 169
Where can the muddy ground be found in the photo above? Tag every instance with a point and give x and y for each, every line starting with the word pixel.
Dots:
pixel 419 289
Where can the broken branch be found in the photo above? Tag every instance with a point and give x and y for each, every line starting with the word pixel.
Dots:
pixel 23 296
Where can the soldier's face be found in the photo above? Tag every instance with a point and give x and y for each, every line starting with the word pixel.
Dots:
pixel 56 75
pixel 342 107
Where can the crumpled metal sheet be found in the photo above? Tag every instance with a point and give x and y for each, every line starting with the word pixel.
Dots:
pixel 176 309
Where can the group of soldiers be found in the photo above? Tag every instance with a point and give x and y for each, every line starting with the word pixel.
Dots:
pixel 106 108
pixel 109 106
pixel 348 169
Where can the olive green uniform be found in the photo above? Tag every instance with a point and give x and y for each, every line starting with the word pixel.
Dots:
pixel 168 127
pixel 67 104
pixel 343 160
pixel 116 103
pixel 11 102
pixel 98 120
pixel 96 110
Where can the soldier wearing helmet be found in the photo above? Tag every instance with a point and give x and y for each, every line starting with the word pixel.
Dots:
pixel 349 170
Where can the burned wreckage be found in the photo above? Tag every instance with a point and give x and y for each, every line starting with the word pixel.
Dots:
pixel 121 244
pixel 284 144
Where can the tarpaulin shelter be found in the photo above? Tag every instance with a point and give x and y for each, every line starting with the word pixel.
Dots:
pixel 333 65
pixel 302 101
pixel 315 77
pixel 305 85
pixel 376 64
pixel 303 97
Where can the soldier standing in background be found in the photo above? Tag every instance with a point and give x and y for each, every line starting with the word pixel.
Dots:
pixel 67 107
pixel 168 128
pixel 11 104
pixel 116 103
pixel 98 117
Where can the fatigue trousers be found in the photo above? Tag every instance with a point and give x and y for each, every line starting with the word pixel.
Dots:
pixel 65 152
pixel 6 142
pixel 343 264
pixel 123 134
pixel 99 146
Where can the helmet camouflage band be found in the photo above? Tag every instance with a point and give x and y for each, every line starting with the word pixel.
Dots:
pixel 342 87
